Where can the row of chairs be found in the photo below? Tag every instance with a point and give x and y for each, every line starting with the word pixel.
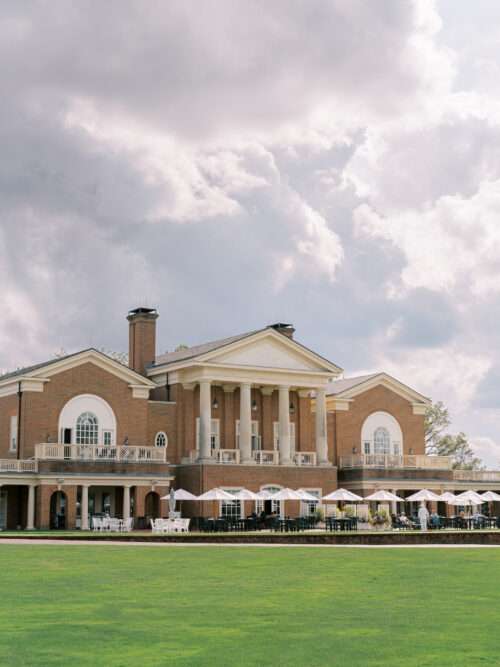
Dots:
pixel 335 524
pixel 170 525
pixel 110 524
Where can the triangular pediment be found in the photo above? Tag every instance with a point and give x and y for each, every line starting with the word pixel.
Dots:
pixel 270 350
pixel 381 380
pixel 96 358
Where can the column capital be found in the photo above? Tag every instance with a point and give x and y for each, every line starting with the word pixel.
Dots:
pixel 303 393
pixel 284 387
pixel 189 386
pixel 228 388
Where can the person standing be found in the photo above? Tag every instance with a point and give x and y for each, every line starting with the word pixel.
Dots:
pixel 423 516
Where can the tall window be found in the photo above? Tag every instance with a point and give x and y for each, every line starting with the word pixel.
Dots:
pixel 276 436
pixel 255 437
pixel 214 433
pixel 161 439
pixel 231 509
pixel 87 429
pixel 382 441
pixel 13 434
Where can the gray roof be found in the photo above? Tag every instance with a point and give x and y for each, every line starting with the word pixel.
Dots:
pixel 30 369
pixel 339 386
pixel 204 348
pixel 197 350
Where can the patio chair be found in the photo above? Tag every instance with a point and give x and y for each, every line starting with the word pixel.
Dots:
pixel 126 526
pixel 96 523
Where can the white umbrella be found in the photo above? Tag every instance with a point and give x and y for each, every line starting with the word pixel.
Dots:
pixel 180 494
pixel 385 496
pixel 216 494
pixel 447 497
pixel 342 495
pixel 307 497
pixel 245 494
pixel 463 502
pixel 286 494
pixel 423 495
pixel 490 496
pixel 472 496
pixel 265 495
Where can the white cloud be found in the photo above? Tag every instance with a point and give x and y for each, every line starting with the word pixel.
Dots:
pixel 448 373
pixel 455 243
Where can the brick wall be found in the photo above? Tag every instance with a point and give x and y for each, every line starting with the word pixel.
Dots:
pixel 201 478
pixel 348 424
pixel 40 411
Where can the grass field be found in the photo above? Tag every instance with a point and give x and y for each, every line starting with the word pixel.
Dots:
pixel 255 606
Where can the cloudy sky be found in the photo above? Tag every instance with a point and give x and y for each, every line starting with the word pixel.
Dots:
pixel 331 163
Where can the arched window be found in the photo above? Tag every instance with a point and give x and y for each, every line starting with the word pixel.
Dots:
pixel 161 439
pixel 382 441
pixel 87 429
pixel 381 434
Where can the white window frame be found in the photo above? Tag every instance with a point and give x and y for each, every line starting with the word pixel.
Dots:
pixel 276 505
pixel 309 508
pixel 107 434
pixel 234 503
pixel 214 434
pixel 254 434
pixel 161 434
pixel 276 437
pixel 13 434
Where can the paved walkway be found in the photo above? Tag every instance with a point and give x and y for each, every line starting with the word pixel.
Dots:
pixel 110 543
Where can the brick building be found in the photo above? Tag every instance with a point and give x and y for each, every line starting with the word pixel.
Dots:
pixel 84 434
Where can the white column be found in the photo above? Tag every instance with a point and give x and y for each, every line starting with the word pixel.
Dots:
pixel 126 502
pixel 30 523
pixel 284 424
pixel 246 422
pixel 205 452
pixel 321 432
pixel 85 507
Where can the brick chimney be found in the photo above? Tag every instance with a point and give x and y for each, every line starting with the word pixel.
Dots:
pixel 141 338
pixel 282 328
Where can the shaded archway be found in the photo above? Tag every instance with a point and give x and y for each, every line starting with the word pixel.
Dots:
pixel 152 506
pixel 58 510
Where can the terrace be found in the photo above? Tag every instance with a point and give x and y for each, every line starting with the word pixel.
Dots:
pixel 124 453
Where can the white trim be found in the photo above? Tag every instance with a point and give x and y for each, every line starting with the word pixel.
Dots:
pixel 34 379
pixel 105 416
pixel 327 366
pixel 385 380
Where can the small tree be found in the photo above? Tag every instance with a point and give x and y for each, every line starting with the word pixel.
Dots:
pixel 439 443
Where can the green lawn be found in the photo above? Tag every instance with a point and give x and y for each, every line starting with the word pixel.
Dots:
pixel 228 606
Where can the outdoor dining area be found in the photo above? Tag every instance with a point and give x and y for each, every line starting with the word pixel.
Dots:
pixel 336 511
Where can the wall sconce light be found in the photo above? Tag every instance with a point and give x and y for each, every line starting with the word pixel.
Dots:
pixel 292 408
pixel 215 403
pixel 254 405
pixel 354 450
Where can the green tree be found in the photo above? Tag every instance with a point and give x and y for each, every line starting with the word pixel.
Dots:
pixel 440 443
pixel 437 420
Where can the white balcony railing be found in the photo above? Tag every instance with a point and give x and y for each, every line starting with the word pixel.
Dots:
pixel 477 475
pixel 305 458
pixel 266 457
pixel 18 465
pixel 420 461
pixel 124 453
pixel 226 455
